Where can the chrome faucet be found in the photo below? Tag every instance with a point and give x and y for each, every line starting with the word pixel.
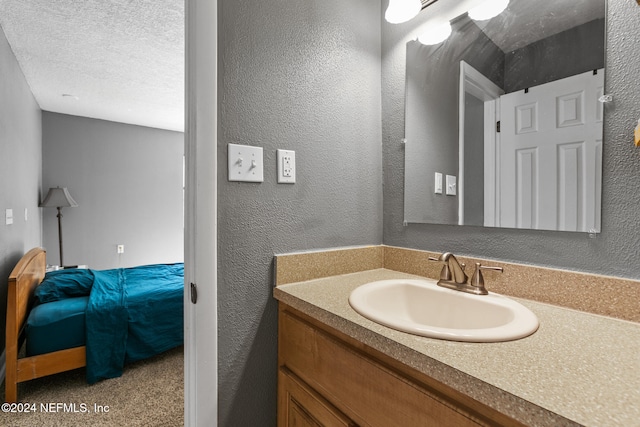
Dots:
pixel 452 275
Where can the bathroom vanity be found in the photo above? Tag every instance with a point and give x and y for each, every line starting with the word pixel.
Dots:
pixel 339 368
pixel 326 378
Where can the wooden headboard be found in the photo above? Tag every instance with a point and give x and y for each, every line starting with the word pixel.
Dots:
pixel 24 278
pixel 26 275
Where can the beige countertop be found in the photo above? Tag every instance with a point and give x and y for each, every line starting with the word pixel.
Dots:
pixel 578 368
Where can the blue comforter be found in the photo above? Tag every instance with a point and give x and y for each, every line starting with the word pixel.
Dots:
pixel 132 313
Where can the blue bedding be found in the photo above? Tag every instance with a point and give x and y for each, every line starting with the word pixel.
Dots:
pixel 47 320
pixel 131 313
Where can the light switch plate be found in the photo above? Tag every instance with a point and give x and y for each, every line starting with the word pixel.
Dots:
pixel 245 163
pixel 451 185
pixel 8 216
pixel 286 166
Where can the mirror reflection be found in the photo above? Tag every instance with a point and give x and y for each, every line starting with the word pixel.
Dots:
pixel 504 119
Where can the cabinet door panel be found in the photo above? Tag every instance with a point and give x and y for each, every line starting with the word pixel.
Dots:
pixel 364 390
pixel 299 406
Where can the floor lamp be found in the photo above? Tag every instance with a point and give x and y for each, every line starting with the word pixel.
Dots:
pixel 59 198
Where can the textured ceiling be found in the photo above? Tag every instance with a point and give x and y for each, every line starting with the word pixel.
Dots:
pixel 119 60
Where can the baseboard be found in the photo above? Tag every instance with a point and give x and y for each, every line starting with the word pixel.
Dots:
pixel 3 365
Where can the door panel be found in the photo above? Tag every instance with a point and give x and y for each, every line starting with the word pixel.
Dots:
pixel 551 142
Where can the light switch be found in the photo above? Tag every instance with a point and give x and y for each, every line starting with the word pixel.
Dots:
pixel 451 185
pixel 245 163
pixel 8 216
pixel 438 183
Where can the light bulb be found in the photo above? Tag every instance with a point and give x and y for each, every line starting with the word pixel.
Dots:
pixel 436 35
pixel 488 9
pixel 400 11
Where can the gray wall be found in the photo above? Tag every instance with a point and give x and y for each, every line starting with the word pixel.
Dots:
pixel 473 160
pixel 575 51
pixel 20 171
pixel 303 76
pixel 128 183
pixel 615 250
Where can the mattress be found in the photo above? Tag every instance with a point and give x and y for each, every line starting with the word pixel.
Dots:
pixel 121 315
pixel 56 326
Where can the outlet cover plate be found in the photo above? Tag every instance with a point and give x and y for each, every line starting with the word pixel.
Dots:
pixel 451 185
pixel 286 166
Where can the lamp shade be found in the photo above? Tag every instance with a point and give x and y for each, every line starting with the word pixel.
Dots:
pixel 58 198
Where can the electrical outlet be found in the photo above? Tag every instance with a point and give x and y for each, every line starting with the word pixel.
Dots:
pixel 438 183
pixel 120 249
pixel 286 166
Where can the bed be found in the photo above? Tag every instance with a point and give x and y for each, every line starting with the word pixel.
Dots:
pixel 97 319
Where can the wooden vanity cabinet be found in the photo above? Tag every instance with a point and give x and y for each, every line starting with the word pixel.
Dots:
pixel 327 378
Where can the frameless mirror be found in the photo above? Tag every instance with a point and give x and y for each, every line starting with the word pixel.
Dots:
pixel 504 119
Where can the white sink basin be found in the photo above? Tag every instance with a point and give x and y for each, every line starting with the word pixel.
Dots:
pixel 421 307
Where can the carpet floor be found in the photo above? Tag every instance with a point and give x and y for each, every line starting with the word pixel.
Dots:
pixel 149 393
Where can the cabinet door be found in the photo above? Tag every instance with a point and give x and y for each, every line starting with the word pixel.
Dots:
pixel 300 406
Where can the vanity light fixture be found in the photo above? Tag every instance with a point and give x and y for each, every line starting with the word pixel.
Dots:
pixel 488 9
pixel 400 11
pixel 440 27
pixel 436 34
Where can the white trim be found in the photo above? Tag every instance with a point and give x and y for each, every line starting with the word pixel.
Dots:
pixel 200 321
pixel 491 162
pixel 476 84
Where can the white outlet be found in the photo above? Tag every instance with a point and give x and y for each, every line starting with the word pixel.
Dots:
pixel 120 249
pixel 286 166
pixel 438 183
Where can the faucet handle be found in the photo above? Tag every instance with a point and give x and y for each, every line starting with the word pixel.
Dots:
pixel 477 281
pixel 445 273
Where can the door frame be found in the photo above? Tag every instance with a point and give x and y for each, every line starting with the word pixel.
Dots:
pixel 475 83
pixel 200 319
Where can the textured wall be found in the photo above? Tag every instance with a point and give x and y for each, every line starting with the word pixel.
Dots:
pixel 20 171
pixel 303 76
pixel 127 181
pixel 473 167
pixel 577 50
pixel 615 250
